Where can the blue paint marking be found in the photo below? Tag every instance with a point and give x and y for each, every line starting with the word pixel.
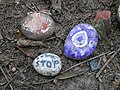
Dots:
pixel 48 64
pixel 43 63
pixel 37 63
pixel 55 63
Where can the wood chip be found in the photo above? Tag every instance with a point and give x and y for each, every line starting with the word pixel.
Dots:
pixel 110 59
pixel 1 37
pixel 27 42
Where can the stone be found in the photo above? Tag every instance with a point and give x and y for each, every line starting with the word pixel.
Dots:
pixel 105 16
pixel 37 26
pixel 47 64
pixel 13 69
pixel 81 42
pixel 94 64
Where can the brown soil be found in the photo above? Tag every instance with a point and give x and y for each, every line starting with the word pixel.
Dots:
pixel 16 61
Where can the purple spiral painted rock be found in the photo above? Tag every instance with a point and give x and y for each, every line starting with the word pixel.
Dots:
pixel 81 42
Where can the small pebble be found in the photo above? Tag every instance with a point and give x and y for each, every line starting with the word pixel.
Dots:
pixel 81 42
pixel 47 64
pixel 105 71
pixel 37 26
pixel 94 65
pixel 13 69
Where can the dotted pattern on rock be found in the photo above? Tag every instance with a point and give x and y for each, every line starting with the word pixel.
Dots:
pixel 47 64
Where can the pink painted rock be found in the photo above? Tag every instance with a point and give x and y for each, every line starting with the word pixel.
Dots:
pixel 37 26
pixel 103 15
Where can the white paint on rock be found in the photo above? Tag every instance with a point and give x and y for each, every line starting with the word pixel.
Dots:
pixel 47 64
pixel 84 42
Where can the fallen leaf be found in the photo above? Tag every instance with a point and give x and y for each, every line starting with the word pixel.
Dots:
pixel 27 42
pixel 26 51
pixel 68 75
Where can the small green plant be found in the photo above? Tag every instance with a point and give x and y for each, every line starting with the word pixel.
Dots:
pixel 102 34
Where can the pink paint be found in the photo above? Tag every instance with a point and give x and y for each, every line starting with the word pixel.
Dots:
pixel 37 26
pixel 103 15
pixel 44 27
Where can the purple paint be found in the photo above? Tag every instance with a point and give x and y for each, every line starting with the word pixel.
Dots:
pixel 81 42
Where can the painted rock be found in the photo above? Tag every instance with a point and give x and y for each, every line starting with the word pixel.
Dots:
pixel 37 26
pixel 104 17
pixel 81 42
pixel 47 64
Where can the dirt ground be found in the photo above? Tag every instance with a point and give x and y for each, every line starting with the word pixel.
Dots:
pixel 16 70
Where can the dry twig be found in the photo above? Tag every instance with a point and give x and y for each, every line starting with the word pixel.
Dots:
pixel 35 7
pixel 100 71
pixel 28 6
pixel 6 77
pixel 86 61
